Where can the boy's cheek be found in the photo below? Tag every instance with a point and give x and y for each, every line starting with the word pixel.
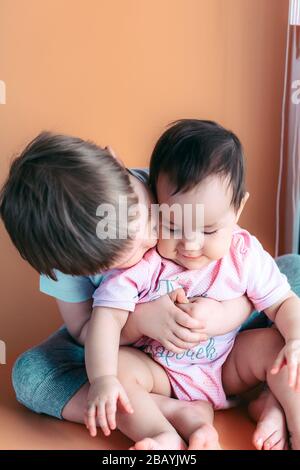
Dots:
pixel 166 248
pixel 153 242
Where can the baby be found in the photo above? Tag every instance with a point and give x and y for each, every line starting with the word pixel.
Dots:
pixel 194 162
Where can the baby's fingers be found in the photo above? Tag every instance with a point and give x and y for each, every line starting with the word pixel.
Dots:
pixel 186 341
pixel 278 363
pixel 124 400
pixel 102 419
pixel 90 420
pixel 178 295
pixel 185 335
pixel 185 320
pixel 111 408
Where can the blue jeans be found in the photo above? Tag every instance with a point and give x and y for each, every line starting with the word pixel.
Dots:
pixel 47 376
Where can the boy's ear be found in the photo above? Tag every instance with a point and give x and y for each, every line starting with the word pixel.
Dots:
pixel 242 205
pixel 112 153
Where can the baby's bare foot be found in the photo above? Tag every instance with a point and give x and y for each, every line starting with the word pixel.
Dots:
pixel 163 441
pixel 271 430
pixel 204 438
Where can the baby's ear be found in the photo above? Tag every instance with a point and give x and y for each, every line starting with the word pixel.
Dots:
pixel 242 205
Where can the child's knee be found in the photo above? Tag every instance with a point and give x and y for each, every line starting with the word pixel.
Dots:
pixel 24 378
pixel 33 379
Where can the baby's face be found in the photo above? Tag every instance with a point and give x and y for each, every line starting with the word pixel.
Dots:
pixel 200 241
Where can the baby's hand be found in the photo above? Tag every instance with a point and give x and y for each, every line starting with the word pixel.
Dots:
pixel 289 356
pixel 103 397
pixel 165 321
pixel 207 312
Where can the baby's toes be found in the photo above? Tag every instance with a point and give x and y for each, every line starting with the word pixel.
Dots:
pixel 275 442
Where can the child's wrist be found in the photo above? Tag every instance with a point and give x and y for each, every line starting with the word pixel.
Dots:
pixel 101 378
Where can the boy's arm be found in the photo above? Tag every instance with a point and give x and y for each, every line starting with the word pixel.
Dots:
pixel 73 295
pixel 156 318
pixel 76 316
pixel 80 318
pixel 180 325
pixel 68 291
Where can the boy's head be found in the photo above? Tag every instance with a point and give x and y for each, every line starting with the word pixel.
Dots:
pixel 49 202
pixel 198 162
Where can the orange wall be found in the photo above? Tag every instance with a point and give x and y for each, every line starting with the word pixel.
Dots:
pixel 117 72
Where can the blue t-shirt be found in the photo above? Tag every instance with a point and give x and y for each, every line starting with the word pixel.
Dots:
pixel 79 288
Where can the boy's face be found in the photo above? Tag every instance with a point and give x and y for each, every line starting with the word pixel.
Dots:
pixel 201 241
pixel 144 237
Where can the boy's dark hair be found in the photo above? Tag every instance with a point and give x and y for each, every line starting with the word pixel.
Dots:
pixel 49 201
pixel 191 149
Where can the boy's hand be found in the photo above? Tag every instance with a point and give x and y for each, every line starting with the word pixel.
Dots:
pixel 165 321
pixel 103 397
pixel 208 312
pixel 289 356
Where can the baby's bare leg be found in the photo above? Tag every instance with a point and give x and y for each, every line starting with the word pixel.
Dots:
pixel 180 414
pixel 147 426
pixel 193 420
pixel 250 362
pixel 185 417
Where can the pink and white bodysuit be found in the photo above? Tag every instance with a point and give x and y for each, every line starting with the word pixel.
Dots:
pixel 246 269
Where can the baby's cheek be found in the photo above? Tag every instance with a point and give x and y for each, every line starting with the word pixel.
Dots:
pixel 217 249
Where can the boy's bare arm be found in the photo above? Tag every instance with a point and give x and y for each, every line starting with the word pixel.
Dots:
pixel 162 320
pixel 76 317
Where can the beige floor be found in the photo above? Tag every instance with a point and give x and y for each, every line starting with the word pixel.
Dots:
pixel 22 429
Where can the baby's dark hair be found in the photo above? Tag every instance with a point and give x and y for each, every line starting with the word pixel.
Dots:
pixel 191 149
pixel 49 202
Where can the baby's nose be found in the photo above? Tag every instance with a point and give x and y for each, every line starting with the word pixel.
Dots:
pixel 194 242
